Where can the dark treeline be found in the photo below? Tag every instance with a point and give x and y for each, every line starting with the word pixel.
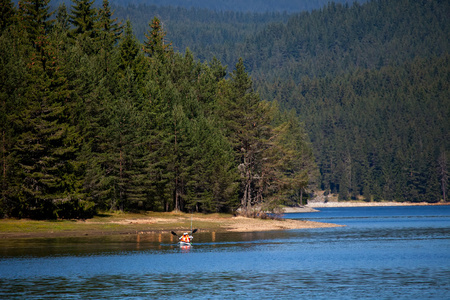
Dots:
pixel 376 73
pixel 260 6
pixel 203 31
pixel 92 119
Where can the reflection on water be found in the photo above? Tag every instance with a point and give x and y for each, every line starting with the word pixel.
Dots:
pixel 395 253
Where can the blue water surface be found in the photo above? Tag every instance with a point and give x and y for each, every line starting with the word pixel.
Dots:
pixel 380 253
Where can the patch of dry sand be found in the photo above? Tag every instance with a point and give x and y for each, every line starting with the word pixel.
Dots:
pixel 242 224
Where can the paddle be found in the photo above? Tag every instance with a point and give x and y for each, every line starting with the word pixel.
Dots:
pixel 194 231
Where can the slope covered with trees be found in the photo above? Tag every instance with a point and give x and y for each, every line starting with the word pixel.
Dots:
pixel 258 6
pixel 338 38
pixel 92 119
pixel 383 134
pixel 370 81
pixel 94 116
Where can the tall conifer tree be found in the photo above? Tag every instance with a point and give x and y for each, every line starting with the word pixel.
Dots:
pixel 247 126
pixel 109 29
pixel 7 13
pixel 36 18
pixel 47 146
pixel 155 44
pixel 83 17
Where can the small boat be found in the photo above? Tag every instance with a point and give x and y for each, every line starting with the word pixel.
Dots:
pixel 184 244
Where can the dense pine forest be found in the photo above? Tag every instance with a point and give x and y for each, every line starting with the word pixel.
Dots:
pixel 370 81
pixel 92 119
pixel 372 84
pixel 252 6
pixel 162 108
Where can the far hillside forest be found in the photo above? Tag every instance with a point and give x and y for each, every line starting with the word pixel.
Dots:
pixel 220 106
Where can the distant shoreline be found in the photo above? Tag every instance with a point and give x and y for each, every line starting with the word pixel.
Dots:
pixel 315 206
pixel 369 204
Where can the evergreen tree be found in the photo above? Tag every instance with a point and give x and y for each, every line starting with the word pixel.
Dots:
pixel 247 126
pixel 62 17
pixel 7 13
pixel 211 181
pixel 295 158
pixel 155 45
pixel 46 148
pixel 108 29
pixel 36 18
pixel 15 48
pixel 128 49
pixel 83 17
pixel 109 32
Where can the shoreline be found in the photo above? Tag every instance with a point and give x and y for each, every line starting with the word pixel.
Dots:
pixel 315 206
pixel 369 204
pixel 149 223
pixel 158 223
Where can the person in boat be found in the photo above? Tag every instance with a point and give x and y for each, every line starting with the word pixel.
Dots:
pixel 186 238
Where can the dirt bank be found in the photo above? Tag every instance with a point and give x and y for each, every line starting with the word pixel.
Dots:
pixel 110 224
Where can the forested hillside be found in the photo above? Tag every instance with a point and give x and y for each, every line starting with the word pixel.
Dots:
pixel 369 80
pixel 383 134
pixel 337 38
pixel 92 119
pixel 94 116
pixel 259 6
pixel 206 33
pixel 372 84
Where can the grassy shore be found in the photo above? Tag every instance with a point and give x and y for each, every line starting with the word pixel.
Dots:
pixel 145 223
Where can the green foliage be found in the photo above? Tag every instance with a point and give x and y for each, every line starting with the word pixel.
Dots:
pixel 93 119
pixel 90 121
pixel 7 13
pixel 346 69
pixel 259 6
pixel 379 133
pixel 35 16
pixel 155 45
pixel 83 16
pixel 15 47
pixel 108 29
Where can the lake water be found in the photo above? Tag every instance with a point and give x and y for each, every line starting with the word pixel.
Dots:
pixel 382 253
